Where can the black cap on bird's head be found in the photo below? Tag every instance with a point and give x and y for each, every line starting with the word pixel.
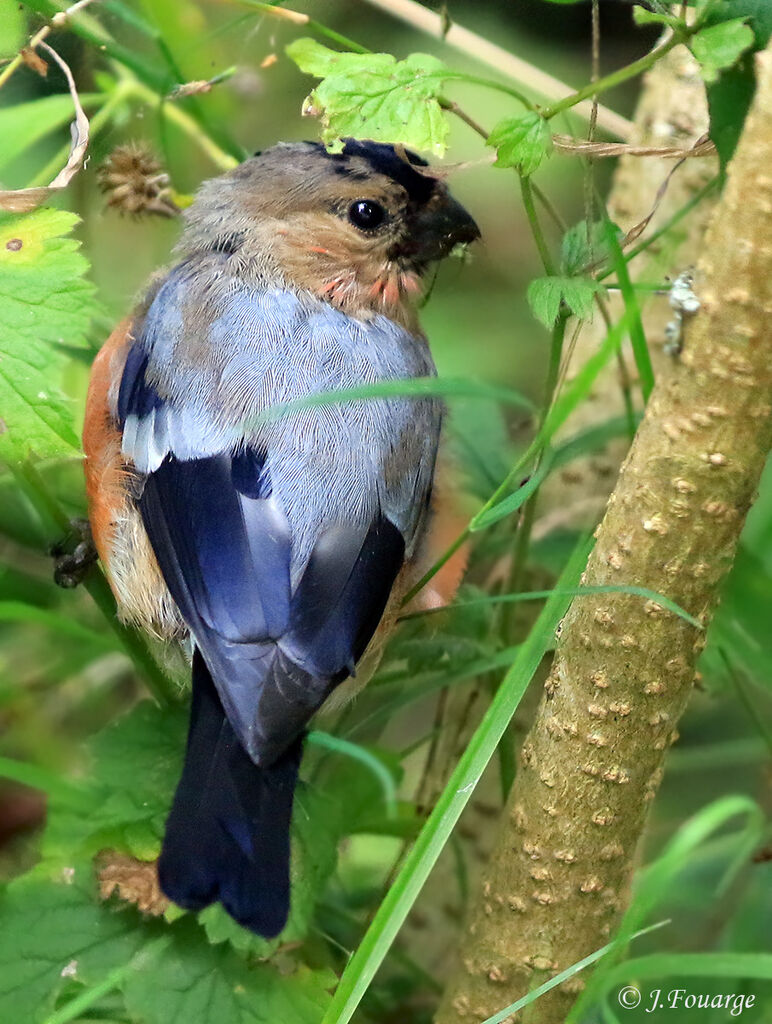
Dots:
pixel 437 221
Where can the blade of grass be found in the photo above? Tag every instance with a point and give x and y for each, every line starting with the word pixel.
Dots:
pixel 514 501
pixel 416 387
pixel 654 882
pixel 632 309
pixel 695 965
pixel 569 972
pixel 538 595
pixel 573 395
pixel 373 948
pixel 337 745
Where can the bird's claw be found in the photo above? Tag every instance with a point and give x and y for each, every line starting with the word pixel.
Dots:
pixel 74 555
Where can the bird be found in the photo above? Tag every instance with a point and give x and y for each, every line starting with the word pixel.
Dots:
pixel 275 535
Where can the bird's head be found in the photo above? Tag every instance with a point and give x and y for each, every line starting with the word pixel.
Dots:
pixel 358 228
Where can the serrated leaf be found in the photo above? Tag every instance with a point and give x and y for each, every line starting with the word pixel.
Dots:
pixel 191 982
pixel 375 96
pixel 44 302
pixel 730 96
pixel 721 46
pixel 49 925
pixel 643 16
pixel 584 244
pixel 546 294
pixel 136 763
pixel 758 13
pixel 522 142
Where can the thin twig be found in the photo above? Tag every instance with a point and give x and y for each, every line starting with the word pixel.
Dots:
pixel 57 21
pixel 500 60
pixel 22 200
pixel 579 147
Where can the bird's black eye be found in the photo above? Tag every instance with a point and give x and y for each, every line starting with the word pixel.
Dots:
pixel 366 214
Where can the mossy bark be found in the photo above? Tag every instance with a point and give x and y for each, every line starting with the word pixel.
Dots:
pixel 623 672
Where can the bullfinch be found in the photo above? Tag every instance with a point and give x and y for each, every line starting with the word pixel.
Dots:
pixel 280 545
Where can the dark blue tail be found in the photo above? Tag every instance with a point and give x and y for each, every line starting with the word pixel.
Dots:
pixel 228 833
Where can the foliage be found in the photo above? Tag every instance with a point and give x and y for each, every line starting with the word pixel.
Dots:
pixel 109 760
pixel 46 304
pixel 521 142
pixel 375 96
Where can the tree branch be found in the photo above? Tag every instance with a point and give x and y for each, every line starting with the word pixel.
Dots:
pixel 622 676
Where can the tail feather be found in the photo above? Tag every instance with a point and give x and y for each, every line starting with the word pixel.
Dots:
pixel 228 833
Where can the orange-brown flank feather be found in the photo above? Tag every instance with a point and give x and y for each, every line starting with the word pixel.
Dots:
pixel 116 525
pixel 105 468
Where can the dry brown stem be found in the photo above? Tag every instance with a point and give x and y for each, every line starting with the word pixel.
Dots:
pixel 592 762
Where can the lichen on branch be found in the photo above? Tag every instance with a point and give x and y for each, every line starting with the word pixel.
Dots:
pixel 592 762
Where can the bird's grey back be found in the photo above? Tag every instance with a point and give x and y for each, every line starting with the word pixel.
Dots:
pixel 222 352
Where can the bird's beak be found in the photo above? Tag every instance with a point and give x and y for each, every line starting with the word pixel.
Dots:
pixel 439 227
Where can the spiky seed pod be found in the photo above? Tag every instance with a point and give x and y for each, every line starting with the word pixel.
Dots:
pixel 134 183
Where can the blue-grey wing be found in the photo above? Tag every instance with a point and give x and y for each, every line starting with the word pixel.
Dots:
pixel 279 538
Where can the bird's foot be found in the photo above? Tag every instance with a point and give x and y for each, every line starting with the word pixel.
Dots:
pixel 74 554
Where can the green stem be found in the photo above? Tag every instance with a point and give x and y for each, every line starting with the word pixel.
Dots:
pixel 526 190
pixel 624 373
pixel 306 22
pixel 224 161
pixel 88 29
pixel 156 84
pixel 523 540
pixel 58 523
pixel 616 77
pixel 550 208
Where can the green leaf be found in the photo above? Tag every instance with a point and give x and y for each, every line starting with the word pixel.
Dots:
pixel 136 762
pixel 729 100
pixel 521 142
pixel 192 982
pixel 44 302
pixel 514 501
pixel 730 96
pixel 50 924
pixel 12 28
pixel 375 96
pixel 643 16
pixel 547 294
pixel 721 46
pixel 584 244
